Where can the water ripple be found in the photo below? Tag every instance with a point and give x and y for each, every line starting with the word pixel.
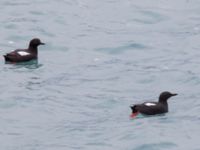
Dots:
pixel 156 146
pixel 121 49
pixel 100 57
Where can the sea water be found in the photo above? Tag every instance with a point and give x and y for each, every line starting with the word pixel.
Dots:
pixel 100 57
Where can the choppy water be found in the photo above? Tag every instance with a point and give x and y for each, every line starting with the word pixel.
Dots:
pixel 100 57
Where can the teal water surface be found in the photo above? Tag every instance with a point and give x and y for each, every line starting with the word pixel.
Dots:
pixel 100 57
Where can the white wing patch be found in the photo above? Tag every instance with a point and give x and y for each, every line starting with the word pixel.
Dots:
pixel 22 53
pixel 149 104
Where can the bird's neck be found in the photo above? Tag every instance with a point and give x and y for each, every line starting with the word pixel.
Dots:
pixel 33 49
pixel 165 104
pixel 164 101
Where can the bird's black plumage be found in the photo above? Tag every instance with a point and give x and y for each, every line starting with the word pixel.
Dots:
pixel 22 55
pixel 153 108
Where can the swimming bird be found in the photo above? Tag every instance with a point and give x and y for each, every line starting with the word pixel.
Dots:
pixel 153 108
pixel 22 55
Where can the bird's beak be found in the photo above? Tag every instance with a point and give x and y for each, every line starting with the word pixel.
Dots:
pixel 174 94
pixel 42 43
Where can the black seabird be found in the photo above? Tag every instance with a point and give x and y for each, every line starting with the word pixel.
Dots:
pixel 22 55
pixel 152 108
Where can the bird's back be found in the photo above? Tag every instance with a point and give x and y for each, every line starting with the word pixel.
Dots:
pixel 151 108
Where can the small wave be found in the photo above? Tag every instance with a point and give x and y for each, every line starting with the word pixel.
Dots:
pixel 123 48
pixel 149 17
pixel 152 146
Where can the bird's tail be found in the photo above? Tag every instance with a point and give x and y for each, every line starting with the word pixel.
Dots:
pixel 134 111
pixel 6 58
pixel 133 108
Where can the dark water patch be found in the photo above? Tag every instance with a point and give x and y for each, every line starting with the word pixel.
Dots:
pixel 10 26
pixel 33 64
pixel 20 3
pixel 7 103
pixel 21 19
pixel 121 49
pixel 36 13
pixel 149 17
pixel 156 146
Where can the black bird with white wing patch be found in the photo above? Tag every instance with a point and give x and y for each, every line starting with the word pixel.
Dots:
pixel 22 55
pixel 153 108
